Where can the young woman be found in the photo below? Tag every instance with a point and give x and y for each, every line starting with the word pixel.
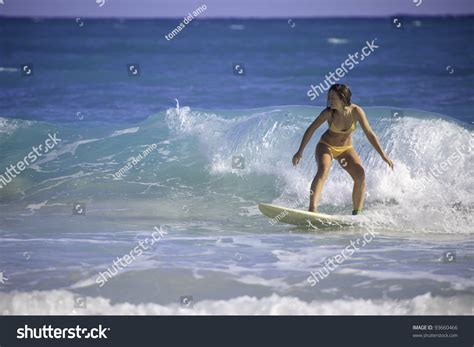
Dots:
pixel 336 143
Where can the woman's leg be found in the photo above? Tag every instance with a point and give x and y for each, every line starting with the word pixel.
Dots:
pixel 324 161
pixel 350 162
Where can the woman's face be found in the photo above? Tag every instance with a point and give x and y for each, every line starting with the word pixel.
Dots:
pixel 334 101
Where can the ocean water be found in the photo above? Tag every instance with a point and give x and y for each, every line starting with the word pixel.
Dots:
pixel 131 160
pixel 80 65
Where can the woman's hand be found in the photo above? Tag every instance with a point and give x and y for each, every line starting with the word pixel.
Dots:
pixel 388 161
pixel 296 158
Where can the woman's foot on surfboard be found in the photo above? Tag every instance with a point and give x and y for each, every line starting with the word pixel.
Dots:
pixel 356 212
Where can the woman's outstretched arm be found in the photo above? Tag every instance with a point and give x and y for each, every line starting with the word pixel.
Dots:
pixel 323 117
pixel 374 141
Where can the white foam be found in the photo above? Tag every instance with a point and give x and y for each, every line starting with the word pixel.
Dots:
pixel 57 152
pixel 8 69
pixel 8 126
pixel 34 207
pixel 125 131
pixel 268 138
pixel 456 282
pixel 276 283
pixel 61 302
pixel 337 41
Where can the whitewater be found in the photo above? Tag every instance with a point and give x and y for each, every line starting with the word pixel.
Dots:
pixel 219 250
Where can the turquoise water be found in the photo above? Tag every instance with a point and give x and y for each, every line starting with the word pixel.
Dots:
pixel 218 246
pixel 70 214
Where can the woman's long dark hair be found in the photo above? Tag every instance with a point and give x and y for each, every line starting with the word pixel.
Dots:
pixel 343 92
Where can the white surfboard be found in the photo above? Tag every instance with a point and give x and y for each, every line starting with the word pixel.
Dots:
pixel 280 214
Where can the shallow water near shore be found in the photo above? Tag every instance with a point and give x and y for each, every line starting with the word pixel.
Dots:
pixel 218 248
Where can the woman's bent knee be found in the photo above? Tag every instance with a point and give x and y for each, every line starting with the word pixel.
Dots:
pixel 359 174
pixel 323 172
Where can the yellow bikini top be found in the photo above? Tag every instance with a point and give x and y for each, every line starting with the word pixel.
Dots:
pixel 334 129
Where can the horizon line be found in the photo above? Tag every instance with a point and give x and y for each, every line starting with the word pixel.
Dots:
pixel 247 17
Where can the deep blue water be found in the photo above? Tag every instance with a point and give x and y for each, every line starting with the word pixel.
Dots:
pixel 81 65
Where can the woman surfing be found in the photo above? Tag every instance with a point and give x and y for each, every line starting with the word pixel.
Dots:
pixel 336 143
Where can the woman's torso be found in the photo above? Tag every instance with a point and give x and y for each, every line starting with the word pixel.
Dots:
pixel 341 123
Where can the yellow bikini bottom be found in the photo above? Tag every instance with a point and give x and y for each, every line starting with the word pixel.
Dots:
pixel 336 151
